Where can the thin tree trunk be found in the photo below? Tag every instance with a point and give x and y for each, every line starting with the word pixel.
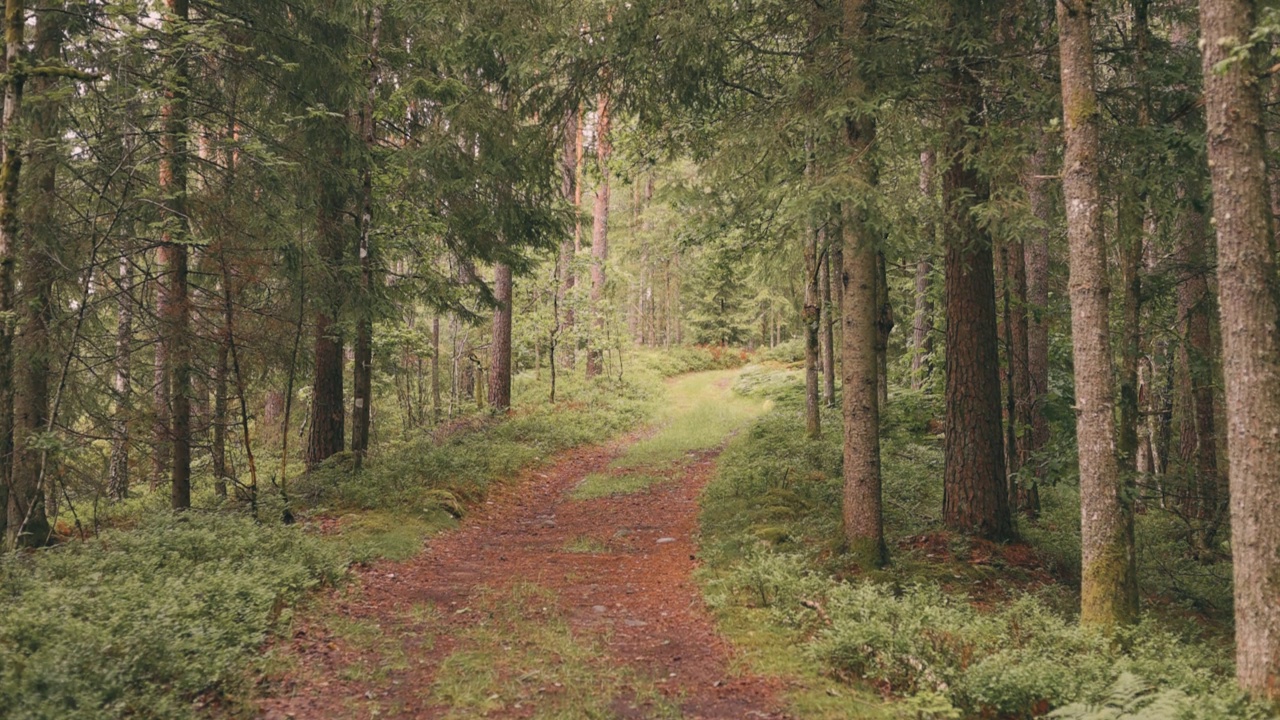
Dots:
pixel 1249 302
pixel 811 316
pixel 435 368
pixel 1019 378
pixel 599 237
pixel 975 494
pixel 922 327
pixel 1108 584
pixel 884 326
pixel 1036 257
pixel 362 372
pixel 118 475
pixel 828 324
pixel 568 246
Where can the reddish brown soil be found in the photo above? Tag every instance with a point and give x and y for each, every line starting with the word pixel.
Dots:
pixel 637 598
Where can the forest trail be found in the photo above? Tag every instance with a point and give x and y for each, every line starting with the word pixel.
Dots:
pixel 568 594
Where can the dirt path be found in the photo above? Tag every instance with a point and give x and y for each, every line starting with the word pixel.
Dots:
pixel 540 606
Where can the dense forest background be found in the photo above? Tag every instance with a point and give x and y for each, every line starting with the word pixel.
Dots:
pixel 254 254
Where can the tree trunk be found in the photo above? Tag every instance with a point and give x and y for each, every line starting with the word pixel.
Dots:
pixel 599 238
pixel 1249 301
pixel 1108 584
pixel 975 494
pixel 862 515
pixel 435 368
pixel 1019 378
pixel 500 348
pixel 118 475
pixel 568 246
pixel 362 371
pixel 884 326
pixel 1129 230
pixel 922 329
pixel 1036 257
pixel 811 315
pixel 828 323
pixel 172 302
pixel 327 431
pixel 37 265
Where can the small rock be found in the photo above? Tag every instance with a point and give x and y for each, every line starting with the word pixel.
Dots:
pixel 598 608
pixel 666 540
pixel 631 622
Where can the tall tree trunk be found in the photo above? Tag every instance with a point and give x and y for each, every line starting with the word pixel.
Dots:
pixel 1130 220
pixel 884 326
pixel 327 432
pixel 362 372
pixel 862 514
pixel 1036 257
pixel 37 265
pixel 118 475
pixel 172 303
pixel 1249 302
pixel 435 368
pixel 568 246
pixel 975 494
pixel 22 502
pixel 811 316
pixel 600 238
pixel 1019 377
pixel 828 323
pixel 500 347
pixel 922 327
pixel 1108 583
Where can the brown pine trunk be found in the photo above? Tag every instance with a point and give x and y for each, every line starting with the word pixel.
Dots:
pixel 863 519
pixel 975 494
pixel 1249 301
pixel 599 239
pixel 884 326
pixel 362 370
pixel 327 432
pixel 37 265
pixel 1108 584
pixel 173 303
pixel 436 410
pixel 1036 257
pixel 500 348
pixel 1129 229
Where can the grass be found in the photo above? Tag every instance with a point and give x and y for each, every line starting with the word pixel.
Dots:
pixel 522 656
pixel 598 485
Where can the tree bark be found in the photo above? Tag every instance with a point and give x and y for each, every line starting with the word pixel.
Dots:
pixel 827 323
pixel 173 304
pixel 975 493
pixel 1036 257
pixel 862 514
pixel 568 246
pixel 600 238
pixel 1249 303
pixel 37 265
pixel 327 432
pixel 500 347
pixel 1108 585
pixel 811 316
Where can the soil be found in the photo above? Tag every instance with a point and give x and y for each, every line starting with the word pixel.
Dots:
pixel 633 593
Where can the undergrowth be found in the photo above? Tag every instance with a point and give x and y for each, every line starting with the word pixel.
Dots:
pixel 163 616
pixel 954 628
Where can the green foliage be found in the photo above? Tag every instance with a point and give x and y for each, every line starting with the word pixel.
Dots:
pixel 151 622
pixel 948 637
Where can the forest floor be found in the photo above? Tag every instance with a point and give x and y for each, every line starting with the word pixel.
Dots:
pixel 569 593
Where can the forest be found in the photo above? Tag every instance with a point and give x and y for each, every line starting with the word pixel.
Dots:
pixel 581 359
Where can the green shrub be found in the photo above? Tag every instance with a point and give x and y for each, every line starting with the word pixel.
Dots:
pixel 143 623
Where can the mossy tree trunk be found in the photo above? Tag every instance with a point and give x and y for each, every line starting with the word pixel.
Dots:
pixel 1109 594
